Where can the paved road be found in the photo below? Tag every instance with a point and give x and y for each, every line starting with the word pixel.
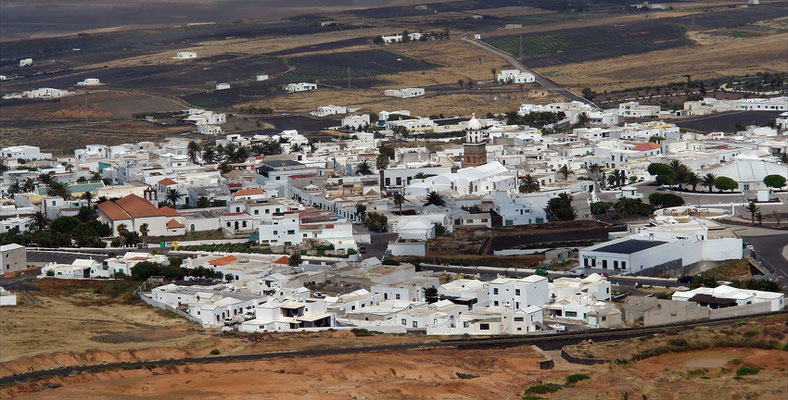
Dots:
pixel 550 341
pixel 540 79
pixel 770 247
pixel 60 257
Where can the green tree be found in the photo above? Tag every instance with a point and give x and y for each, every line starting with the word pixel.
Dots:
pixel 774 181
pixel 588 93
pixel 295 260
pixel 431 294
pixel 361 211
pixel 752 209
pixel 560 208
pixel 173 196
pixel 88 196
pixel 600 207
pixel 565 171
pixel 529 184
pixel 398 200
pixel 60 189
pixel 693 180
pixel 144 230
pixel 724 183
pixel 64 224
pixel 193 150
pixel 433 198
pixel 382 162
pixel 759 217
pixel 209 155
pixel 363 168
pixel 40 221
pixel 86 214
pixel 708 180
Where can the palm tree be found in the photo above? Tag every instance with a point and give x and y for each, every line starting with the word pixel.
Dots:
pixel 173 196
pixel 382 162
pixel 565 171
pixel 693 180
pixel 57 188
pixel 708 181
pixel 622 177
pixel 529 184
pixel 29 185
pixel 14 188
pixel 494 72
pixel 123 232
pixel 361 210
pixel 435 199
pixel 776 216
pixel 594 169
pixel 193 150
pixel 209 155
pixel 363 168
pixel 759 217
pixel 583 120
pixel 296 147
pixel 45 179
pixel 752 209
pixel 87 196
pixel 144 231
pixel 40 221
pixel 398 200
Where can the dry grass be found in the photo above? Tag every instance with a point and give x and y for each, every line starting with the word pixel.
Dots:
pixel 738 57
pixel 257 45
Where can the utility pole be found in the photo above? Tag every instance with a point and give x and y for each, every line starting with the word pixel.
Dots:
pixel 521 47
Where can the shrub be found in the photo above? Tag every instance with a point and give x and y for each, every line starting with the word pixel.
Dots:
pixel 362 332
pixel 542 389
pixel 50 273
pixel 574 378
pixel 745 370
pixel 215 352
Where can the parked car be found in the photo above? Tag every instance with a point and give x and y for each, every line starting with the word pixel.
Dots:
pixel 362 250
pixel 685 279
pixel 541 271
pixel 579 271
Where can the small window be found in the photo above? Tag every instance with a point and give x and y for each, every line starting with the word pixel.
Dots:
pixel 484 327
pixel 518 319
pixel 495 291
pixel 397 296
pixel 516 292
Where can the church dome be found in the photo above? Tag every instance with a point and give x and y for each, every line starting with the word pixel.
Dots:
pixel 474 124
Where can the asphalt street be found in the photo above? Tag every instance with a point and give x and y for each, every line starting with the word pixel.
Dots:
pixel 60 257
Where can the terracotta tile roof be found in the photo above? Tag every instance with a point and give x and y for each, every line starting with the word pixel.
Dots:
pixel 113 211
pixel 169 212
pixel 133 206
pixel 173 224
pixel 646 146
pixel 138 207
pixel 167 182
pixel 223 261
pixel 249 191
pixel 282 260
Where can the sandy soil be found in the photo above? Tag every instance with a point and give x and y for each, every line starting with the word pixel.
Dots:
pixel 502 374
pixel 766 53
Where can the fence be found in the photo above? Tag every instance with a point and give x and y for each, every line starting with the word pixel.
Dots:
pixel 149 301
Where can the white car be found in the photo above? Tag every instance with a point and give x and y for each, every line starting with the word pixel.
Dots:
pixel 558 327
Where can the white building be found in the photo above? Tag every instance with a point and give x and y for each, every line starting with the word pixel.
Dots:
pixel 300 87
pixel 185 55
pixel 89 82
pixel 633 109
pixel 24 152
pixel 356 121
pixel 7 298
pixel 25 62
pixel 222 86
pixel 262 77
pixel 515 76
pixel 404 93
pixel 726 296
pixel 13 257
pixel 518 294
pixel 331 109
pixel 289 316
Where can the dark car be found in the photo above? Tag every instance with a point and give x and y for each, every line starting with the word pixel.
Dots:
pixel 685 279
pixel 362 250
